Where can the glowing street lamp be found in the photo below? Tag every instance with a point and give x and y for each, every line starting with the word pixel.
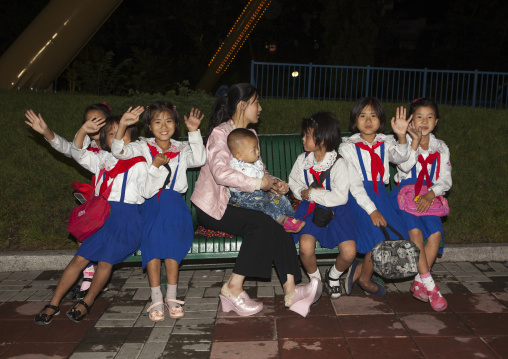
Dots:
pixel 295 74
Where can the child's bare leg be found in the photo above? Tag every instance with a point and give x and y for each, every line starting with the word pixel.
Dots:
pixel 432 248
pixel 172 268
pixel 308 253
pixel 99 280
pixel 69 276
pixel 364 273
pixel 347 254
pixel 153 268
pixel 416 236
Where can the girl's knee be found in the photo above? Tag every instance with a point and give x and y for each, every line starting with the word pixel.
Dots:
pixel 348 253
pixel 416 235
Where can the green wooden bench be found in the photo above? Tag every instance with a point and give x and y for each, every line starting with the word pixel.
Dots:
pixel 279 153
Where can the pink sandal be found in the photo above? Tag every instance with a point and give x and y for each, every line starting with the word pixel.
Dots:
pixel 304 297
pixel 175 312
pixel 156 315
pixel 293 225
pixel 437 302
pixel 419 291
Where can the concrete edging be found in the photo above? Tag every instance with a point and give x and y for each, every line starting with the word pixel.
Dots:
pixel 58 259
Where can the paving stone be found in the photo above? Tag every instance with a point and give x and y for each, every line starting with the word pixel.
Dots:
pixel 498 267
pixel 129 351
pixel 187 349
pixel 451 267
pixel 403 287
pixel 98 347
pixel 40 295
pixel 166 323
pixel 115 323
pixel 6 295
pixel 144 321
pixel 265 292
pixel 195 292
pixel 205 301
pixel 23 295
pixel 212 292
pixel 151 350
pixel 482 266
pixel 475 287
pixel 475 278
pixel 390 287
pixel 125 309
pixel 278 290
pixel 444 288
pixel 468 267
pixel 194 326
pixel 129 316
pixel 200 314
pixel 4 275
pixel 205 284
pixel 94 355
pixel 159 335
pixel 16 275
pixel 142 294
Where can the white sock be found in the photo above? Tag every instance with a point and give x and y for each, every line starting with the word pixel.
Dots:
pixel 418 278
pixel 428 281
pixel 316 274
pixel 171 294
pixel 334 273
pixel 156 295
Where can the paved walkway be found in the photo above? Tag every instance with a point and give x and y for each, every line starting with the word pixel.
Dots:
pixel 357 326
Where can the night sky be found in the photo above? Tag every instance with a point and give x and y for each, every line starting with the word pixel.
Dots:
pixel 172 41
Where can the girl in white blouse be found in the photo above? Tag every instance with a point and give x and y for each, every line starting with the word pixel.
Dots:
pixel 168 231
pixel 429 160
pixel 321 136
pixel 60 144
pixel 368 153
pixel 120 236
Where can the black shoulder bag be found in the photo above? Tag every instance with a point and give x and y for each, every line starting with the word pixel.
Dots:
pixel 322 215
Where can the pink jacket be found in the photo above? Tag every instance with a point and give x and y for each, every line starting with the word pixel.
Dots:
pixel 211 192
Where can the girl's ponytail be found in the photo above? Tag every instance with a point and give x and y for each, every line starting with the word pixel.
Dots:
pixel 225 106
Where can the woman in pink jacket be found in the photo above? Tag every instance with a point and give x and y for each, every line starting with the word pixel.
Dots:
pixel 264 240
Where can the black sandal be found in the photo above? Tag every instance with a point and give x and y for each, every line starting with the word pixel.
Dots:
pixel 78 293
pixel 75 315
pixel 44 319
pixel 333 291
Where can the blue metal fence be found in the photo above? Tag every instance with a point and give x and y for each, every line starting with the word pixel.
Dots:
pixel 348 83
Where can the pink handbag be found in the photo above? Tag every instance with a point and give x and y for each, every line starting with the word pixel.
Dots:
pixel 407 202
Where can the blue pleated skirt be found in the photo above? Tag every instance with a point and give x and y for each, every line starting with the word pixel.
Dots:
pixel 341 228
pixel 368 234
pixel 427 224
pixel 168 230
pixel 118 239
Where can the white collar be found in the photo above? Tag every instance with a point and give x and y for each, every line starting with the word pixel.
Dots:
pixel 176 146
pixel 322 165
pixel 380 137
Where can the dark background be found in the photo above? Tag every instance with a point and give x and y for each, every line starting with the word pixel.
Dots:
pixel 156 45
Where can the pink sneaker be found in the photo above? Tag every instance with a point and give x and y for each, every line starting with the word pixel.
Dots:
pixel 437 302
pixel 419 291
pixel 293 225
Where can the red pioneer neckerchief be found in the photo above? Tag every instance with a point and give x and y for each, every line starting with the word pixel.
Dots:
pixel 154 152
pixel 120 167
pixel 376 165
pixel 424 173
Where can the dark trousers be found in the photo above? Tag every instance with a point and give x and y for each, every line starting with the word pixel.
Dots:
pixel 264 242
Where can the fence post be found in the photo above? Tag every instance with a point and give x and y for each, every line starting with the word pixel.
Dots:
pixel 424 82
pixel 367 82
pixel 252 73
pixel 310 81
pixel 474 86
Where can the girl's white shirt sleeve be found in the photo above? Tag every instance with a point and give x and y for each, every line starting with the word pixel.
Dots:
pixel 136 176
pixel 192 154
pixel 394 152
pixel 63 146
pixel 441 184
pixel 339 178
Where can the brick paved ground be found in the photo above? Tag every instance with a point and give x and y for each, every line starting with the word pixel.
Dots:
pixel 358 326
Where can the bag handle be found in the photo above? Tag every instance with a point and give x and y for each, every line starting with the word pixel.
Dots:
pixel 385 232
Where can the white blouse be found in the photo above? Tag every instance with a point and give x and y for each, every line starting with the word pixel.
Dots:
pixel 63 146
pixel 141 182
pixel 339 178
pixel 192 154
pixel 440 185
pixel 394 152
